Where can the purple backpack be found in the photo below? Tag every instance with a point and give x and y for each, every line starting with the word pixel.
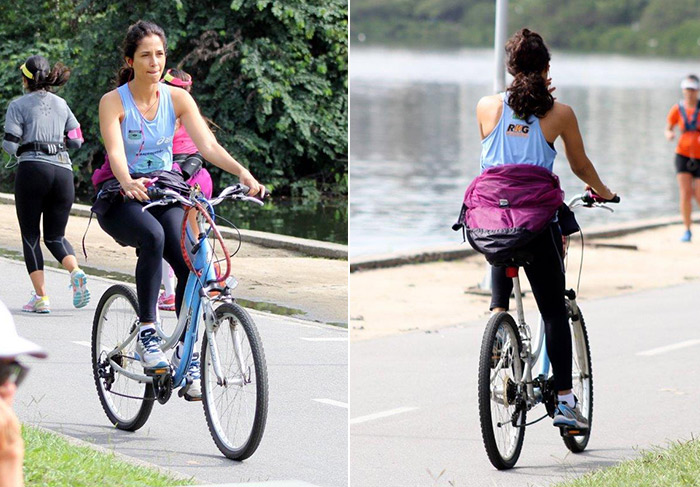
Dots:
pixel 506 207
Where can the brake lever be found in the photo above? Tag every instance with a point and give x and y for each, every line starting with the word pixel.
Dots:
pixel 162 202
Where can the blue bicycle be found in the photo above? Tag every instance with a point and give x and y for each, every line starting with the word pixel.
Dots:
pixel 233 368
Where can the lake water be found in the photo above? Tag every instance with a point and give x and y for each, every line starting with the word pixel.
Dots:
pixel 414 142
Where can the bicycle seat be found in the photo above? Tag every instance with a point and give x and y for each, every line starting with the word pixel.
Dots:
pixel 519 258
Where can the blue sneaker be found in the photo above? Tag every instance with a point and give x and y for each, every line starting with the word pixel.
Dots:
pixel 686 236
pixel 148 350
pixel 81 294
pixel 566 416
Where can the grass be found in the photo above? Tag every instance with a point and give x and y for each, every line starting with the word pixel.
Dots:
pixel 51 461
pixel 677 466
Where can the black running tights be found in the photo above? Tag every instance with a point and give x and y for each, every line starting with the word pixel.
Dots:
pixel 156 234
pixel 43 188
pixel 546 276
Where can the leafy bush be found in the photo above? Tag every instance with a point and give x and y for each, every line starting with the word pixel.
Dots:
pixel 271 74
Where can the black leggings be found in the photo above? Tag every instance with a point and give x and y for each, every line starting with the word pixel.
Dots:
pixel 546 276
pixel 156 235
pixel 45 188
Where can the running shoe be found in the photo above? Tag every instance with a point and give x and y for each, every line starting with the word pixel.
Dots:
pixel 81 294
pixel 166 303
pixel 148 349
pixel 192 391
pixel 38 304
pixel 569 417
pixel 686 236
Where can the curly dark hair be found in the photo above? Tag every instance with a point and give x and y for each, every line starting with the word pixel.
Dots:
pixel 528 57
pixel 43 76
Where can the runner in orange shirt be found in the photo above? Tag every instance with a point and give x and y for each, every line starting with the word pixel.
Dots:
pixel 685 115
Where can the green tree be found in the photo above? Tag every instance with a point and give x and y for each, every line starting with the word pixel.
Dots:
pixel 271 74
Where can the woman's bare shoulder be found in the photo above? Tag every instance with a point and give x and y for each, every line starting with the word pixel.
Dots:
pixel 489 101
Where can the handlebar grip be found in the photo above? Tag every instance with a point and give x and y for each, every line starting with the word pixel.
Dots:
pixel 616 199
pixel 244 189
pixel 155 193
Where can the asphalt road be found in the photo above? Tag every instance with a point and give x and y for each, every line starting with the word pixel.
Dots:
pixel 414 417
pixel 306 434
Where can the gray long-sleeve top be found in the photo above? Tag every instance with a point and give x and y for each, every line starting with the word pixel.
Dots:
pixel 39 116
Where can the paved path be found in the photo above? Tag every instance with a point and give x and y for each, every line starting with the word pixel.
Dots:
pixel 414 413
pixel 306 434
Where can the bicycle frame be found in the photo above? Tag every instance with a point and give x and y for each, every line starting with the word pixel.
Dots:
pixel 195 299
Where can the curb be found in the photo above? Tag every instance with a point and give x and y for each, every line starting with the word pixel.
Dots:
pixel 313 248
pixel 449 252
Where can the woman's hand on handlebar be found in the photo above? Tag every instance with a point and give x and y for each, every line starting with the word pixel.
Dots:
pixel 255 187
pixel 136 189
pixel 606 197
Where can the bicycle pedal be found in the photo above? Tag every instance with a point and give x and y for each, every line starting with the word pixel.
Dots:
pixel 569 432
pixel 183 393
pixel 157 372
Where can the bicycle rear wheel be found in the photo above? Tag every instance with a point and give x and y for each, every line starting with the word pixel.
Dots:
pixel 500 372
pixel 236 412
pixel 124 400
pixel 582 379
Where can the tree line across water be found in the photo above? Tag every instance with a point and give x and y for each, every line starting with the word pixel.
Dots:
pixel 640 27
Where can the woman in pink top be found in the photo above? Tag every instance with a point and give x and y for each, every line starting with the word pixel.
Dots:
pixel 190 163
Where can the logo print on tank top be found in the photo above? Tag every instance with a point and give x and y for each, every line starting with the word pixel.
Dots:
pixel 518 130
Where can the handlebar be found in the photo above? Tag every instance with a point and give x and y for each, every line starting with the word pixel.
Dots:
pixel 590 199
pixel 164 196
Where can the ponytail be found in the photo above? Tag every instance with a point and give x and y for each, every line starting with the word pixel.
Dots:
pixel 528 58
pixel 40 77
pixel 125 74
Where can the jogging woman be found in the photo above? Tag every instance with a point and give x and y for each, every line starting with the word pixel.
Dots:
pixel 520 127
pixel 39 127
pixel 685 115
pixel 137 123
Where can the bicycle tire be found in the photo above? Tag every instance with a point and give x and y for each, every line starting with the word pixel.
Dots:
pixel 114 406
pixel 502 327
pixel 582 380
pixel 223 436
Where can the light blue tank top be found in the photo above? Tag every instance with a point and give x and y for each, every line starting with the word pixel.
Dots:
pixel 514 141
pixel 148 145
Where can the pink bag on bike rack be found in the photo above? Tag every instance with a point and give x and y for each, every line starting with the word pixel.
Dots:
pixel 506 207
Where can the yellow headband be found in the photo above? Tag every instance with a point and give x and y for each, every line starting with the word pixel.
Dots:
pixel 26 71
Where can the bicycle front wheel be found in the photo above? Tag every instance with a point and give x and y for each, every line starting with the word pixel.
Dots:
pixel 500 373
pixel 236 411
pixel 582 379
pixel 126 402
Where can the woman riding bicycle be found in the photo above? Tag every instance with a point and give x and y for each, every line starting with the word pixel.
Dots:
pixel 137 123
pixel 520 127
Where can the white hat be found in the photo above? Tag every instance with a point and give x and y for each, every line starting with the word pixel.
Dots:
pixel 689 84
pixel 11 344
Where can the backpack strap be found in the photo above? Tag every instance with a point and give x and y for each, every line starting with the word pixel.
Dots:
pixel 689 125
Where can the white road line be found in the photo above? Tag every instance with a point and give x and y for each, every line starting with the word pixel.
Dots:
pixel 84 344
pixel 333 403
pixel 334 339
pixel 383 414
pixel 669 348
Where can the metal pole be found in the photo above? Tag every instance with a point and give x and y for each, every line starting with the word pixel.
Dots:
pixel 499 44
